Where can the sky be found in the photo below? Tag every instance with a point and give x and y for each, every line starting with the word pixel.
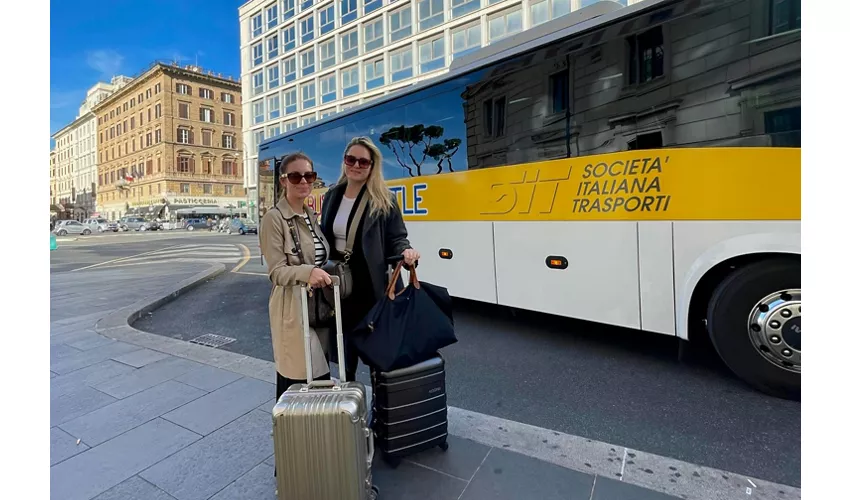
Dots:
pixel 92 41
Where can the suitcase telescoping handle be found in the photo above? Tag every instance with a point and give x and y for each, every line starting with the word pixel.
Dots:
pixel 308 352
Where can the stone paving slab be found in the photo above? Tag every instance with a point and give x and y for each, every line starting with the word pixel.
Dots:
pixel 140 358
pixel 145 377
pixel 88 376
pixel 610 489
pixel 94 471
pixel 218 408
pixel 134 488
pixel 63 337
pixel 208 378
pixel 63 446
pixel 506 476
pixel 461 460
pixel 209 465
pixel 258 483
pixel 59 351
pixel 83 359
pixel 412 482
pixel 90 342
pixel 76 403
pixel 123 415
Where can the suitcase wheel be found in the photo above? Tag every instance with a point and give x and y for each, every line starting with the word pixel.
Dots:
pixel 375 493
pixel 444 445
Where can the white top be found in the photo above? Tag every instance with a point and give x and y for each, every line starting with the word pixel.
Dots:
pixel 317 243
pixel 341 222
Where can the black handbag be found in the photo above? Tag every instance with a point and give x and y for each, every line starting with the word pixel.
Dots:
pixel 320 311
pixel 406 328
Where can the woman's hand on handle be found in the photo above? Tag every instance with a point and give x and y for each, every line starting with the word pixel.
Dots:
pixel 410 256
pixel 319 278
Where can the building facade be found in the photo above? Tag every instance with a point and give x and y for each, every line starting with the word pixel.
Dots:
pixel 304 60
pixel 54 198
pixel 170 140
pixel 74 182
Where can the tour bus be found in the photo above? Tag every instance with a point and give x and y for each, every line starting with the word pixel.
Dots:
pixel 633 166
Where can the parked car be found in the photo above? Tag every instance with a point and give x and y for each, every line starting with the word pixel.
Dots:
pixel 242 226
pixel 136 224
pixel 100 225
pixel 71 227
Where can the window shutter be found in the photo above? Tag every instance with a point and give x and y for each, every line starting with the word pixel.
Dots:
pixel 191 137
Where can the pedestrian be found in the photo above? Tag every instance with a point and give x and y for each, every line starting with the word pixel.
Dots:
pixel 381 234
pixel 292 222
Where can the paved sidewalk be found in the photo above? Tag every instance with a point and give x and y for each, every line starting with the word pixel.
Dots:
pixel 135 415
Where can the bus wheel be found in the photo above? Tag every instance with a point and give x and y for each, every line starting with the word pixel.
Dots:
pixel 754 324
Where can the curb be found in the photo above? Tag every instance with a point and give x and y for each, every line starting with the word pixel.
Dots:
pixel 118 326
pixel 63 240
pixel 130 314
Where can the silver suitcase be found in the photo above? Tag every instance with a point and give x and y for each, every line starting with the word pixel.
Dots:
pixel 322 442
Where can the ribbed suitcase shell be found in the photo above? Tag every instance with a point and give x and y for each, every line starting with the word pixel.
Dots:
pixel 322 444
pixel 410 408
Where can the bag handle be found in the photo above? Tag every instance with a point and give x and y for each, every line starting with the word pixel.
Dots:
pixel 414 280
pixel 308 352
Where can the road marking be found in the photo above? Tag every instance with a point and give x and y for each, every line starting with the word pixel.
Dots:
pixel 623 467
pixel 247 255
pixel 120 259
pixel 211 260
pixel 249 273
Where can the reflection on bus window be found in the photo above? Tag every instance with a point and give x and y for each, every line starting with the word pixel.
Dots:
pixel 666 78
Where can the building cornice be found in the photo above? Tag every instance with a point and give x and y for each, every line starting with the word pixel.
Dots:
pixel 171 70
pixel 77 120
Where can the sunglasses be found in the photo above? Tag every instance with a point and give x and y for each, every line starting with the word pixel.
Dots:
pixel 295 177
pixel 351 160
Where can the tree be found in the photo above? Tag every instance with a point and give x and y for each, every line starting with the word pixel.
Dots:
pixel 405 142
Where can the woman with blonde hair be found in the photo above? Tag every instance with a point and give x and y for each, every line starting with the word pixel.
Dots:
pixel 294 247
pixel 379 233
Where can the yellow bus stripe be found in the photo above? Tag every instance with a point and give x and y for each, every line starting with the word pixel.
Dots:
pixel 666 184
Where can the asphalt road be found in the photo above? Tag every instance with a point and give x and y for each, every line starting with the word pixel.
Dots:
pixel 136 248
pixel 608 384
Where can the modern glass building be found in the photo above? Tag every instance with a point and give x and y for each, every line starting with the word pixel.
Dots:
pixel 304 60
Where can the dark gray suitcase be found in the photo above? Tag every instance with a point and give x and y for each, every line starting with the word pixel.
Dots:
pixel 322 442
pixel 410 409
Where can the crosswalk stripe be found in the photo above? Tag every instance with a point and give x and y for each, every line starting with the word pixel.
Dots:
pixel 227 254
pixel 166 261
pixel 213 253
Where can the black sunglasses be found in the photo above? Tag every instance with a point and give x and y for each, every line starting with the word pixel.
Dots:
pixel 295 177
pixel 351 160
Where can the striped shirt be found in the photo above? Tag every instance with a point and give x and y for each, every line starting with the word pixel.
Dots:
pixel 317 243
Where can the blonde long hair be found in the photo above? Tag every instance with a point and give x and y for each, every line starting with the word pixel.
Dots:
pixel 376 186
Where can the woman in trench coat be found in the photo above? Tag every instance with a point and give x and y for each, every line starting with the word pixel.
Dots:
pixel 286 268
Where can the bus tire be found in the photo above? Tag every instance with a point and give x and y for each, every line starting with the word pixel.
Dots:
pixel 754 324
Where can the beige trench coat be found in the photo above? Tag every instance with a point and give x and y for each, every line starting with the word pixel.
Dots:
pixel 277 246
